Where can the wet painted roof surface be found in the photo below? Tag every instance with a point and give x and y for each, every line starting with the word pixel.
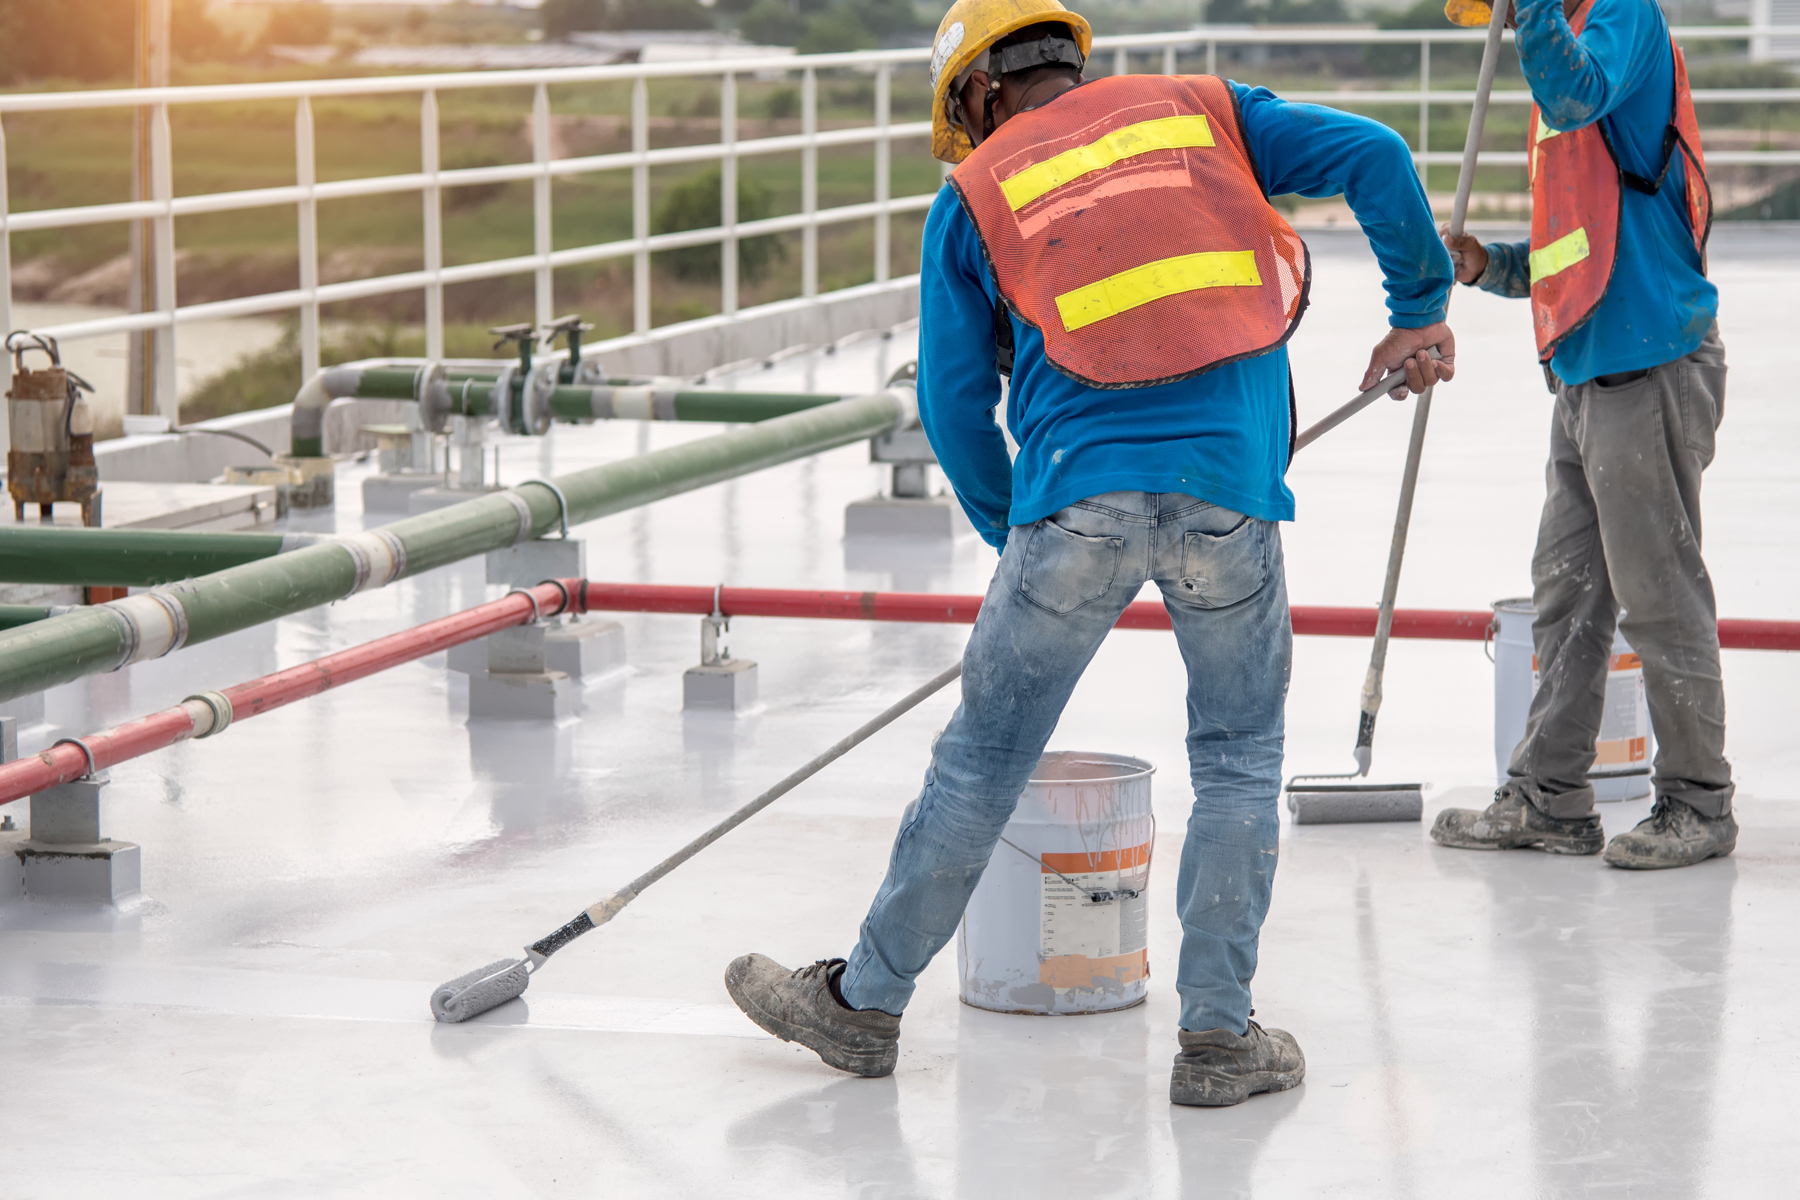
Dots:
pixel 1483 1025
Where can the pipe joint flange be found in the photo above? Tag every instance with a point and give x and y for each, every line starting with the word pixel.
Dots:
pixel 536 407
pixel 377 556
pixel 431 388
pixel 219 705
pixel 155 624
pixel 523 508
pixel 502 406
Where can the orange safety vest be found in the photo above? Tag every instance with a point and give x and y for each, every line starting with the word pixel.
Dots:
pixel 1126 222
pixel 1577 193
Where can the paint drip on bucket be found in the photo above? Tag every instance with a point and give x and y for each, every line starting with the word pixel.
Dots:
pixel 1059 922
pixel 1626 745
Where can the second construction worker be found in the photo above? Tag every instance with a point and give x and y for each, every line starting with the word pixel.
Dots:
pixel 1616 273
pixel 1111 243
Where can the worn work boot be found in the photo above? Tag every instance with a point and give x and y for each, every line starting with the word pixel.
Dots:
pixel 1512 822
pixel 1218 1067
pixel 797 1006
pixel 1673 835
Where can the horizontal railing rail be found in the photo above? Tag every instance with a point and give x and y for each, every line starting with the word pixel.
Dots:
pixel 161 207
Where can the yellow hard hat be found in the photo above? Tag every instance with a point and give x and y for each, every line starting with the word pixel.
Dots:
pixel 965 33
pixel 1470 14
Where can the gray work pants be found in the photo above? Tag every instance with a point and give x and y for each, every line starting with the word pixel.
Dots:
pixel 1621 530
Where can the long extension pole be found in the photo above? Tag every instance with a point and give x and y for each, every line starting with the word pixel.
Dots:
pixel 1415 447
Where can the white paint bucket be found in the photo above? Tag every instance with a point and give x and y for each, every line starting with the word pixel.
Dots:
pixel 1626 745
pixel 1059 921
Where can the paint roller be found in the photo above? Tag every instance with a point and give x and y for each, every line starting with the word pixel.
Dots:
pixel 1310 801
pixel 493 985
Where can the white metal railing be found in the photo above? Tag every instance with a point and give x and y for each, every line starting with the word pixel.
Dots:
pixel 162 206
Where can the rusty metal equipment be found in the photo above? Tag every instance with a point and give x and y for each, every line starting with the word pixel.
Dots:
pixel 51 458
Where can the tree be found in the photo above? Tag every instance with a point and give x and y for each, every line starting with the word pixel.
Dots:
pixel 1278 12
pixel 772 23
pixel 298 23
pixel 835 30
pixel 562 17
pixel 694 204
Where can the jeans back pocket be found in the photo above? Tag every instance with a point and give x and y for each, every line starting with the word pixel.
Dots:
pixel 1063 570
pixel 1220 569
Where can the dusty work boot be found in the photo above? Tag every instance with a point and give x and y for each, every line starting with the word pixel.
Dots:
pixel 1512 822
pixel 1673 835
pixel 798 1006
pixel 1218 1067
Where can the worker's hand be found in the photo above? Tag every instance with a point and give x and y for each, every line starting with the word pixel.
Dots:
pixel 1469 255
pixel 1411 348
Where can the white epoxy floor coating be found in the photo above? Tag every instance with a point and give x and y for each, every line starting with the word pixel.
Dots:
pixel 1475 1025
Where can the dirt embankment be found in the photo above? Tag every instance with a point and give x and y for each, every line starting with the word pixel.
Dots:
pixel 200 276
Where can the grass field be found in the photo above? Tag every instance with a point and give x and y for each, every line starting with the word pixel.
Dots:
pixel 61 159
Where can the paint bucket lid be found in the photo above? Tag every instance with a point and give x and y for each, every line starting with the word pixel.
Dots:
pixel 1518 604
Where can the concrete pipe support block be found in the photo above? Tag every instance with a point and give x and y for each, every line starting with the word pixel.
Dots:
pixel 935 518
pixel 728 686
pixel 585 649
pixel 108 871
pixel 521 696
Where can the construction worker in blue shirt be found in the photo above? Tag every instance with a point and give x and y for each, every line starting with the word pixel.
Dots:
pixel 1112 244
pixel 1625 322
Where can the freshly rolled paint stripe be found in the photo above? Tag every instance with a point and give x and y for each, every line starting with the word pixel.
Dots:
pixel 1559 255
pixel 1152 281
pixel 1164 133
pixel 634 403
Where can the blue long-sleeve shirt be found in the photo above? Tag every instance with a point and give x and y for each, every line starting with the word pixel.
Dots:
pixel 1621 70
pixel 1221 436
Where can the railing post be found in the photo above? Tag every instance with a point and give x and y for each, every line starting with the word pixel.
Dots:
pixel 540 203
pixel 305 177
pixel 1424 112
pixel 1121 62
pixel 728 207
pixel 430 162
pixel 162 253
pixel 809 183
pixel 1168 60
pixel 640 206
pixel 1212 58
pixel 884 79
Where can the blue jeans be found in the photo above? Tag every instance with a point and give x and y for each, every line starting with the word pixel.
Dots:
pixel 1061 585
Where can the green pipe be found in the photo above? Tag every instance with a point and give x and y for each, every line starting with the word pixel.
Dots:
pixel 105 637
pixel 128 557
pixel 14 615
pixel 643 403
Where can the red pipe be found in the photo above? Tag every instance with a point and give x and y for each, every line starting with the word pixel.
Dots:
pixel 1435 624
pixel 66 762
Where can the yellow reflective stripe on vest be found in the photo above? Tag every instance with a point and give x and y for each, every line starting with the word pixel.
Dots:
pixel 1165 277
pixel 1559 255
pixel 1165 133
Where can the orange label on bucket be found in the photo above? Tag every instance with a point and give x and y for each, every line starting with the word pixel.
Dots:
pixel 1080 971
pixel 1621 750
pixel 1618 662
pixel 1105 860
